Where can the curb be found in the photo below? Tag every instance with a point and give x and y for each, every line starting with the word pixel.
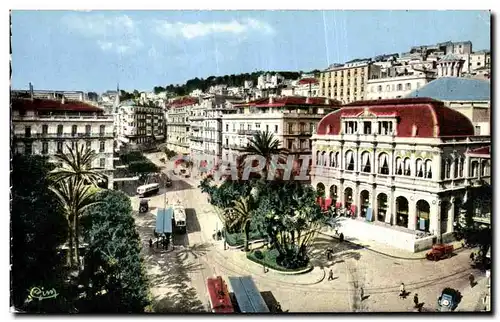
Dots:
pixel 303 271
pixel 458 249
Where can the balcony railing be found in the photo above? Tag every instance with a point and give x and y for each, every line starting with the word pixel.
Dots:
pixel 247 132
pixel 64 135
pixel 300 133
pixel 71 117
pixel 212 140
pixel 196 138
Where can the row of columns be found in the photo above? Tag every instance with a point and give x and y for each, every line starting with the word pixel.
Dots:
pixel 435 207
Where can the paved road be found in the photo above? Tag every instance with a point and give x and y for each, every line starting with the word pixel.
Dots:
pixel 197 256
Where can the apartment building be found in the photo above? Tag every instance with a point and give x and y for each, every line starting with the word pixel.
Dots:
pixel 403 168
pixel 178 123
pixel 292 120
pixel 347 83
pixel 397 87
pixel 47 127
pixel 308 87
pixel 139 125
pixel 206 128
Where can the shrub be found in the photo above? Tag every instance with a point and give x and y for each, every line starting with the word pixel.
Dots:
pixel 269 258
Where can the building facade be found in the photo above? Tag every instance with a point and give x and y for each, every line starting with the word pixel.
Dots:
pixel 400 166
pixel 139 125
pixel 347 83
pixel 178 124
pixel 396 87
pixel 47 127
pixel 292 120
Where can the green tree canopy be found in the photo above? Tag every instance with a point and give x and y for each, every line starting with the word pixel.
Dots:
pixel 38 230
pixel 114 273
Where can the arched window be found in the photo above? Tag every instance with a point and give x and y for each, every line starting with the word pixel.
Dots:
pixel 447 169
pixel 318 159
pixel 59 130
pixel 324 160
pixel 485 168
pixel 337 159
pixel 407 166
pixel 461 168
pixel 455 168
pixel 419 168
pixel 332 160
pixel 473 169
pixel 365 162
pixel 349 160
pixel 383 163
pixel 428 169
pixel 399 166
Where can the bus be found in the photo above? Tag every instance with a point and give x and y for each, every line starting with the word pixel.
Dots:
pixel 148 190
pixel 247 295
pixel 218 295
pixel 179 218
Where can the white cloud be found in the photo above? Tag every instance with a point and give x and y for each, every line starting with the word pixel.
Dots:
pixel 201 29
pixel 119 33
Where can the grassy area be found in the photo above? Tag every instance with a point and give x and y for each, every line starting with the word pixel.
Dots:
pixel 238 239
pixel 268 257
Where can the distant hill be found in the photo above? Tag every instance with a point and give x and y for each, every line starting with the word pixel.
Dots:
pixel 229 80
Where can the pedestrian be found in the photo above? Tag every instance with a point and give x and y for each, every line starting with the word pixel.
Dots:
pixel 402 290
pixel 415 299
pixel 150 243
pixel 471 280
pixel 341 237
pixel 472 257
pixel 330 275
pixel 361 294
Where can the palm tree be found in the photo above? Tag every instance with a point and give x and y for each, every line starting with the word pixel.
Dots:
pixel 77 164
pixel 74 182
pixel 265 145
pixel 75 196
pixel 242 216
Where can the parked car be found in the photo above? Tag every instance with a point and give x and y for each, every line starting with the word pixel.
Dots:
pixel 439 251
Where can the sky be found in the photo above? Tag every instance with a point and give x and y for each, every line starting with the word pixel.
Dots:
pixel 96 50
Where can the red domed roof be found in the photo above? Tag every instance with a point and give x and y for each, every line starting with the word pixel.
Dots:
pixel 430 118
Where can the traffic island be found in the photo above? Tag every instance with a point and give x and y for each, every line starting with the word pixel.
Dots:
pixel 268 259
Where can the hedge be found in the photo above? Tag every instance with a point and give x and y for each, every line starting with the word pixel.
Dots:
pixel 238 239
pixel 268 257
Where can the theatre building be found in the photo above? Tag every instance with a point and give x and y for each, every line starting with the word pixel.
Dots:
pixel 403 167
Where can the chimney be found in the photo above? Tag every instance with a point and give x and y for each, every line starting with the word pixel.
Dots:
pixel 327 101
pixel 271 100
pixel 62 100
pixel 31 91
pixel 308 100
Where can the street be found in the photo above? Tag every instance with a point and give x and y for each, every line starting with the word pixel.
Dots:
pixel 178 276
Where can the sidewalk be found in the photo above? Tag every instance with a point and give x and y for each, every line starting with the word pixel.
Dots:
pixel 385 249
pixel 472 298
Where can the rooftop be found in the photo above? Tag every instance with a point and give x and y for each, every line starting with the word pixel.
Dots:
pixel 52 105
pixel 417 117
pixel 184 101
pixel 455 89
pixel 305 81
pixel 291 101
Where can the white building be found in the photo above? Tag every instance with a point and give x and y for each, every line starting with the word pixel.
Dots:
pixel 450 66
pixel 140 125
pixel 46 127
pixel 400 166
pixel 178 123
pixel 292 120
pixel 196 93
pixel 397 87
pixel 308 87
